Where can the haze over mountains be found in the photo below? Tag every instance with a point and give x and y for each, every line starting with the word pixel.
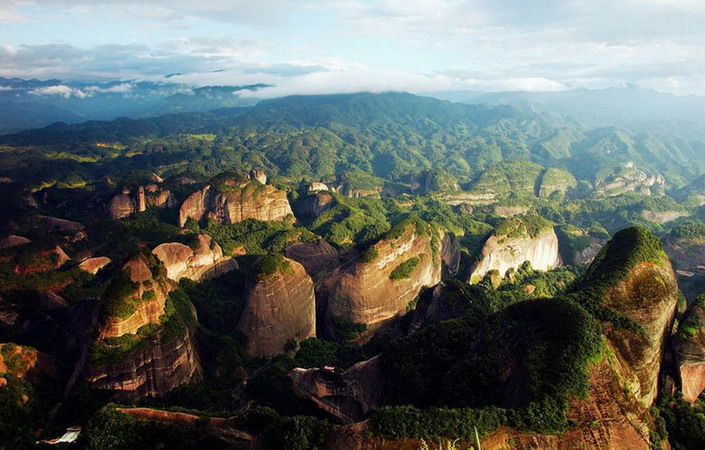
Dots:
pixel 35 103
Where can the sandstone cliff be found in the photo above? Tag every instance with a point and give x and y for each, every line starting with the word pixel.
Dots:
pixel 318 257
pixel 93 265
pixel 136 297
pixel 154 368
pixel 689 348
pixel 230 201
pixel 348 395
pixel 514 242
pixel 633 288
pixel 25 362
pixel 279 306
pixel 145 343
pixel 131 201
pixel 380 285
pixel 313 205
pixel 203 260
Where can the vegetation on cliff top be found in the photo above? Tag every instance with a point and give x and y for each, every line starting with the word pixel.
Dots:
pixel 614 263
pixel 463 363
pixel 529 225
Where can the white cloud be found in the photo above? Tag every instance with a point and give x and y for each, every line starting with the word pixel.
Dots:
pixel 60 90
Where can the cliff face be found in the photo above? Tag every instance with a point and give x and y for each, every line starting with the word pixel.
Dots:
pixel 375 291
pixel 236 203
pixel 606 418
pixel 633 277
pixel 129 202
pixel 93 265
pixel 143 301
pixel 205 260
pixel 318 257
pixel 152 369
pixel 132 360
pixel 313 205
pixel 25 362
pixel 347 396
pixel 279 307
pixel 502 252
pixel 648 297
pixel 689 347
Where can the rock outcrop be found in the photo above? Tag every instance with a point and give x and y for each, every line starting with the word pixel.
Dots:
pixel 279 306
pixel 689 349
pixel 318 257
pixel 152 369
pixel 93 265
pixel 229 201
pixel 380 285
pixel 629 178
pixel 13 241
pixel 313 205
pixel 348 395
pixel 316 187
pixel 201 261
pixel 144 348
pixel 515 242
pixel 129 202
pixel 632 277
pixel 136 297
pixel 26 362
pixel 450 255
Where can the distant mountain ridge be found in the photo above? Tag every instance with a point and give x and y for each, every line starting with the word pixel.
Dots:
pixel 26 104
pixel 390 136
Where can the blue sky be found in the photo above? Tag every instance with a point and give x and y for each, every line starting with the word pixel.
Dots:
pixel 351 45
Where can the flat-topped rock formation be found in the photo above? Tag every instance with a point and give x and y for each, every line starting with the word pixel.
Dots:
pixel 381 284
pixel 203 260
pixel 514 242
pixel 231 198
pixel 279 306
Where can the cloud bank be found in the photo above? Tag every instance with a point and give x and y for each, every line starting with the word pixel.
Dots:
pixel 350 45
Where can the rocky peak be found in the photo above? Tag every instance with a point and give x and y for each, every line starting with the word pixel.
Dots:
pixel 131 201
pixel 231 198
pixel 258 175
pixel 514 242
pixel 633 288
pixel 136 297
pixel 203 260
pixel 280 306
pixel 380 285
pixel 689 347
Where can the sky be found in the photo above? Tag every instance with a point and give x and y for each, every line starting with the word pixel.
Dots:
pixel 326 46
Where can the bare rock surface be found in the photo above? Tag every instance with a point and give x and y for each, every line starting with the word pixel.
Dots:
pixel 235 204
pixel 364 292
pixel 503 252
pixel 348 395
pixel 93 265
pixel 205 260
pixel 689 348
pixel 318 257
pixel 279 307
